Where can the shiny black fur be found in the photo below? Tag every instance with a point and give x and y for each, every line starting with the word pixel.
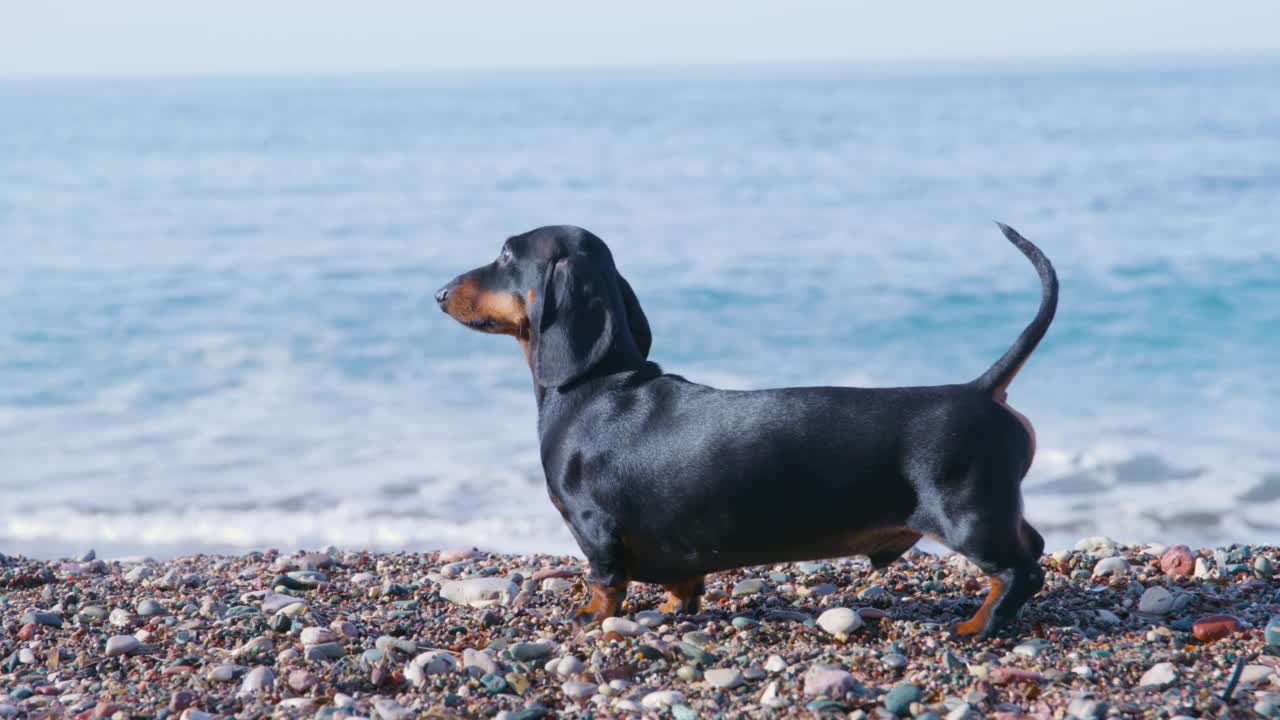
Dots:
pixel 661 479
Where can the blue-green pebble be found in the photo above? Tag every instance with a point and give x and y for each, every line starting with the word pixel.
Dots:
pixel 898 700
pixel 495 684
pixel 1273 631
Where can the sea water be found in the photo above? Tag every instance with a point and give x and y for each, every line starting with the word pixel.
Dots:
pixel 217 330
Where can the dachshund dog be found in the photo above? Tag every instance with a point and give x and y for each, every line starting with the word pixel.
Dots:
pixel 662 480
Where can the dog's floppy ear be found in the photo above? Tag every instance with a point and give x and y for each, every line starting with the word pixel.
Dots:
pixel 636 320
pixel 575 323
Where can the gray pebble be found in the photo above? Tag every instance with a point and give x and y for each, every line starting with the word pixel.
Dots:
pixel 650 618
pixel 151 608
pixel 324 651
pixel 275 602
pixel 41 617
pixel 525 651
pixel 875 592
pixel 894 661
pixel 820 590
pixel 750 586
pixel 257 680
pixel 121 645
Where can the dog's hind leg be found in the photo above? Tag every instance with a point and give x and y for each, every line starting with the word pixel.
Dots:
pixel 1033 539
pixel 684 596
pixel 983 521
pixel 1012 564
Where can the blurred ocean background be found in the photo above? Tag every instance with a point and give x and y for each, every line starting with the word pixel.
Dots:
pixel 217 332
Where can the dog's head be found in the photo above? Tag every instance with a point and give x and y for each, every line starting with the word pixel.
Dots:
pixel 557 291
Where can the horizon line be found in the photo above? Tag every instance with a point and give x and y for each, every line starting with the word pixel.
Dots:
pixel 1219 56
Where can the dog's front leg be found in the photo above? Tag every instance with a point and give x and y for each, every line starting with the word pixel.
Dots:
pixel 608 578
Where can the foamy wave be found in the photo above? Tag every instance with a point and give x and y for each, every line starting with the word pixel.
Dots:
pixel 1139 496
pixel 527 530
pixel 1132 496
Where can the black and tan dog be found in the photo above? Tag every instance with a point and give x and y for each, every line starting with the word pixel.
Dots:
pixel 662 480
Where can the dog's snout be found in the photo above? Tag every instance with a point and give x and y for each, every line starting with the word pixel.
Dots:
pixel 442 294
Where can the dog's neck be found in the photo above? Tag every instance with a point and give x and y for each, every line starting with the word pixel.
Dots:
pixel 615 368
pixel 619 359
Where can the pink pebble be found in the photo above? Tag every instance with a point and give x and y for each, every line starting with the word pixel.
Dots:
pixel 1178 561
pixel 557 572
pixel 456 554
pixel 1005 675
pixel 302 680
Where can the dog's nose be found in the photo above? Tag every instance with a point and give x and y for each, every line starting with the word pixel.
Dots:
pixel 442 294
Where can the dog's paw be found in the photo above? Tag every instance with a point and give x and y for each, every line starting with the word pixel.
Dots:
pixel 584 616
pixel 968 630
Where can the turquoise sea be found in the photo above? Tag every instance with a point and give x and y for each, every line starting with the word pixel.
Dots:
pixel 217 332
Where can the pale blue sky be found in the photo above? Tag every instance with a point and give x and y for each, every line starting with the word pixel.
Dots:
pixel 163 37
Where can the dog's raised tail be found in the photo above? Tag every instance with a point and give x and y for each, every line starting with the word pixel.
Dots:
pixel 997 378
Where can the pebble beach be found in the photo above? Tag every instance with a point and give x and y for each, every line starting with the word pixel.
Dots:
pixel 1119 631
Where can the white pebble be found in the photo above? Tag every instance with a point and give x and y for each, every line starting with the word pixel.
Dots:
pixel 578 690
pixel 480 592
pixel 432 662
pixel 1257 674
pixel 963 565
pixel 1099 545
pixel 1160 675
pixel 316 636
pixel 661 699
pixel 569 665
pixel 839 621
pixel 1112 566
pixel 622 626
pixel 724 678
pixel 769 698
pixel 555 585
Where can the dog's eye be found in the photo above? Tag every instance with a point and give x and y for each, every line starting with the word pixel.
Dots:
pixel 505 257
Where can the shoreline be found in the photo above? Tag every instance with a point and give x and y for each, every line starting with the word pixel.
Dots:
pixel 461 633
